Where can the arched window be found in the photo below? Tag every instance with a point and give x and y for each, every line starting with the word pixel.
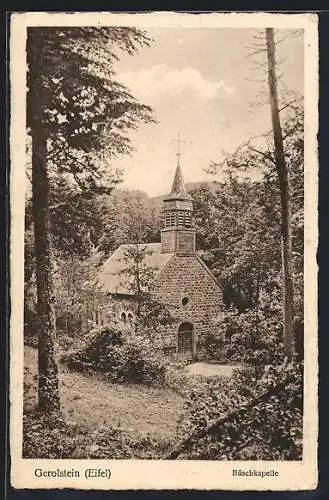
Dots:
pixel 123 317
pixel 129 318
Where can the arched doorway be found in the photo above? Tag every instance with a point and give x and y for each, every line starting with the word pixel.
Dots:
pixel 185 341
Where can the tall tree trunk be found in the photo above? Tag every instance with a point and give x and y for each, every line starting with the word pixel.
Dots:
pixel 286 239
pixel 48 393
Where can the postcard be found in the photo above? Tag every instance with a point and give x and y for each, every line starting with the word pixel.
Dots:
pixel 164 229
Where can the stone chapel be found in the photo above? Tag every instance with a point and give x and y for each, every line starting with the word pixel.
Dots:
pixel 182 280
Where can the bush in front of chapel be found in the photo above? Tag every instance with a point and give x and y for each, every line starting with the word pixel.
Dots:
pixel 124 357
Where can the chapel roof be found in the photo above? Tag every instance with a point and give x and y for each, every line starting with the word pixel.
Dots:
pixel 112 278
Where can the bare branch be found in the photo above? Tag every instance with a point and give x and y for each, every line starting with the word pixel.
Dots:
pixel 255 45
pixel 253 80
pixel 259 36
pixel 256 52
pixel 289 104
pixel 261 65
pixel 265 154
pixel 290 35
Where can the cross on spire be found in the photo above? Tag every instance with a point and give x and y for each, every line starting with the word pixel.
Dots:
pixel 178 186
pixel 179 141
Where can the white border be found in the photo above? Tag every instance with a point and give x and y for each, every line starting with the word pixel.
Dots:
pixel 153 474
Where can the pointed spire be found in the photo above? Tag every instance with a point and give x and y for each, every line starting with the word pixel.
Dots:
pixel 178 190
pixel 178 186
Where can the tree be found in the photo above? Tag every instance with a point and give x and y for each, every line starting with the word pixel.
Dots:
pixel 237 233
pixel 78 117
pixel 281 167
pixel 139 226
pixel 139 222
pixel 151 313
pixel 277 155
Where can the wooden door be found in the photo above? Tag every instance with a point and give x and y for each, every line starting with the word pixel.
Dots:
pixel 185 341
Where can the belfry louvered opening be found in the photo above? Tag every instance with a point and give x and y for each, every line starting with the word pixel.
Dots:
pixel 178 219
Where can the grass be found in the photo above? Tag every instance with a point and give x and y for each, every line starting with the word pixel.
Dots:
pixel 95 404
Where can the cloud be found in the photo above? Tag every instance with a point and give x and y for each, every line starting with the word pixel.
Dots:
pixel 160 80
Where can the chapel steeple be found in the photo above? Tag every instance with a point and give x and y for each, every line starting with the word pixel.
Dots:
pixel 178 233
pixel 178 186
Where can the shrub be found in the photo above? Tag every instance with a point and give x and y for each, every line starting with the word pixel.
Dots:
pixel 215 346
pixel 96 353
pixel 44 437
pixel 140 363
pixel 246 418
pixel 253 337
pixel 124 357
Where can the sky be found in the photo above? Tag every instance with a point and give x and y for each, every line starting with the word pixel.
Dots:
pixel 206 85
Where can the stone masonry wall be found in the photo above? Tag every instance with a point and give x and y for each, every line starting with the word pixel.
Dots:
pixel 185 276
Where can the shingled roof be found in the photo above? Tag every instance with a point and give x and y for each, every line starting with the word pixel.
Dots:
pixel 111 278
pixel 178 189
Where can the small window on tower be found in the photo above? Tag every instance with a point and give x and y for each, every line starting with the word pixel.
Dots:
pixel 167 220
pixel 123 317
